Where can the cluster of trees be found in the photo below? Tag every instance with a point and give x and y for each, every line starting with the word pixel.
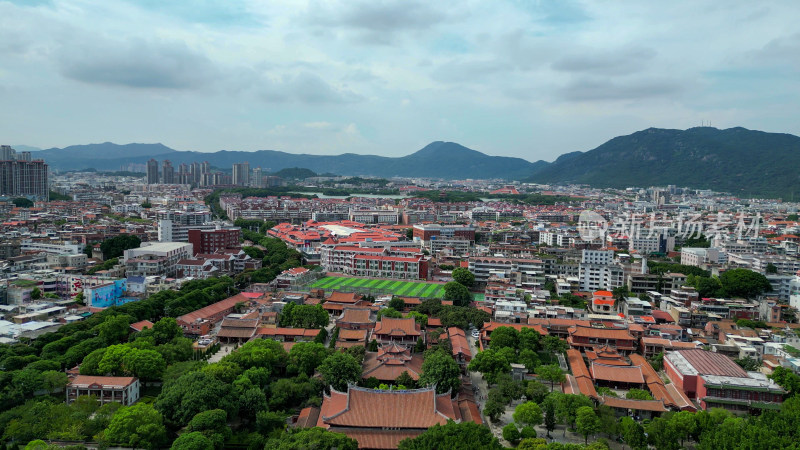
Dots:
pixel 274 254
pixel 304 316
pixel 105 265
pixel 36 369
pixel 458 289
pixel 526 346
pixel 453 316
pixel 115 247
pixel 254 225
pixel 732 283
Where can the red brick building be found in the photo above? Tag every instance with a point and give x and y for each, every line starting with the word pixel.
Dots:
pixel 211 241
pixel 426 232
pixel 202 321
pixel 715 381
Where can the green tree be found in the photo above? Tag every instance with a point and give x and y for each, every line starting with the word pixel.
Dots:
pixel 311 438
pixel 451 436
pixel 192 441
pixel 549 417
pixel 148 365
pixel 633 434
pixel 504 337
pixel 305 357
pixel 553 344
pixel 338 370
pixel 662 435
pixel 251 402
pixel 638 394
pixel 463 276
pixel 535 391
pixel 397 303
pixel 511 433
pixel 213 425
pixel 530 339
pixel 494 409
pixel 551 373
pixel 587 422
pixel 744 283
pixel 490 364
pixel 115 328
pixel 192 393
pixel 684 424
pixel 748 363
pixel 457 293
pixel 22 202
pixel 139 425
pixel 36 293
pixel 115 247
pixel 530 359
pixel 771 268
pixel 404 379
pixel 528 413
pixel 786 379
pixel 420 318
pixel 441 369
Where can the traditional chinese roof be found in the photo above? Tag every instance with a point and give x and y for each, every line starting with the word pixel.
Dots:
pixel 397 327
pixel 371 408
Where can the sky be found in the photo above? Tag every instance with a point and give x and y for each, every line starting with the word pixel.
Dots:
pixel 532 79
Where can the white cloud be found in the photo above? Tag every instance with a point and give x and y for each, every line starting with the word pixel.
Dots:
pixel 529 79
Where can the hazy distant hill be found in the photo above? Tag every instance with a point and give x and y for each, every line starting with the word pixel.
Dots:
pixel 438 159
pixel 743 162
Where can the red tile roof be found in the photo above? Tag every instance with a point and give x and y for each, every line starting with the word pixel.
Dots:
pixel 602 333
pixel 617 373
pixel 388 326
pixel 371 408
pixel 214 308
pixel 636 405
pixel 343 297
pixel 355 315
pixel 83 381
pixel 142 324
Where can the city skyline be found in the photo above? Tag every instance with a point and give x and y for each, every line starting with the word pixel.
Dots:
pixel 387 78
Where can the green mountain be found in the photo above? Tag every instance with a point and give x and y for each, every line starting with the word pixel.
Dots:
pixel 736 160
pixel 446 160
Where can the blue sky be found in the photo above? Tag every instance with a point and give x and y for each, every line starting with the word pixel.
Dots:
pixel 533 79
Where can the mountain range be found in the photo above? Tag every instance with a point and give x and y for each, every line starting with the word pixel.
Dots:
pixel 736 160
pixel 446 160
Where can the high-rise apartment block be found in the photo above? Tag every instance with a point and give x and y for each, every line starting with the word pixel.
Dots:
pixel 22 176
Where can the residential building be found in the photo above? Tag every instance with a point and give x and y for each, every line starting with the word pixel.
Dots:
pixel 211 241
pixel 699 257
pixel 159 259
pixel 123 390
pixel 20 176
pixel 152 171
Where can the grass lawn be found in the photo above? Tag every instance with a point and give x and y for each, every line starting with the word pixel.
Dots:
pixel 396 287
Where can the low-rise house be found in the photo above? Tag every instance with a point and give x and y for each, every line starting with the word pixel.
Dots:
pixel 123 390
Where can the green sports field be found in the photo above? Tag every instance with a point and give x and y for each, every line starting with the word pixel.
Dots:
pixel 396 287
